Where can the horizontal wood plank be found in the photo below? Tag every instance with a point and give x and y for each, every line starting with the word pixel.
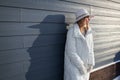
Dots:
pixel 32 53
pixel 9 14
pixel 46 5
pixel 21 29
pixel 11 43
pixel 9 70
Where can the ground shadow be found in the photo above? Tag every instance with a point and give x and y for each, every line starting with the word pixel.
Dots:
pixel 47 50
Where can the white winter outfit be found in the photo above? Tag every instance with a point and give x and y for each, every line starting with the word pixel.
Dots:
pixel 79 55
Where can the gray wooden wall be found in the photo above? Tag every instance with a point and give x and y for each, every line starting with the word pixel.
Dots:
pixel 33 33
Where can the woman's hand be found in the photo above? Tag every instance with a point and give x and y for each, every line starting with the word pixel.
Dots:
pixel 84 71
pixel 90 67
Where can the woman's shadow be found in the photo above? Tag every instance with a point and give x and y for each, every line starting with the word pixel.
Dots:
pixel 117 66
pixel 47 50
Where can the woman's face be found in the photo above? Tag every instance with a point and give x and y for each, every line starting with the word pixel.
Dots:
pixel 84 21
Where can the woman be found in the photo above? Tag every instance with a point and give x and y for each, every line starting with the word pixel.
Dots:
pixel 79 55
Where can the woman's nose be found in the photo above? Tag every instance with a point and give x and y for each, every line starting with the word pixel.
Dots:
pixel 87 19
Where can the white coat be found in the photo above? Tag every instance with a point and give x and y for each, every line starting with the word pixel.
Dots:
pixel 78 54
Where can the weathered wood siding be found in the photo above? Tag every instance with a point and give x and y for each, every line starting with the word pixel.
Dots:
pixel 33 34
